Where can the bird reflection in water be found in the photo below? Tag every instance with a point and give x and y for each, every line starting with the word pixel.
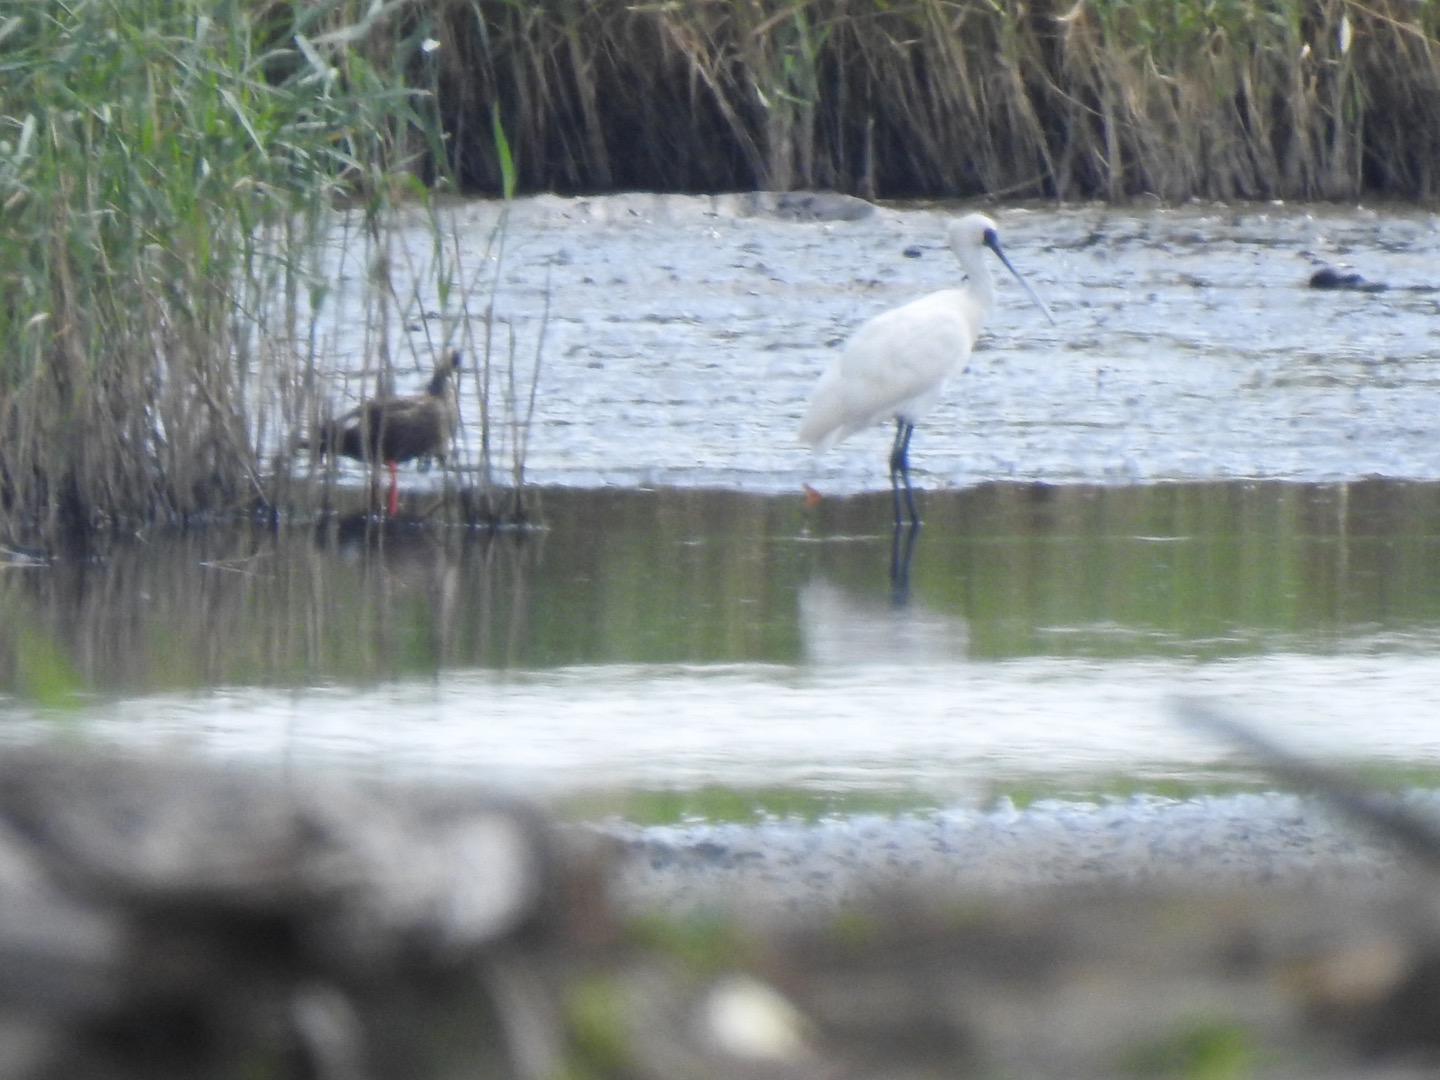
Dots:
pixel 902 550
pixel 849 628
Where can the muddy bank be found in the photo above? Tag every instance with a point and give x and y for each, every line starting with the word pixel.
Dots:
pixel 1231 842
pixel 166 920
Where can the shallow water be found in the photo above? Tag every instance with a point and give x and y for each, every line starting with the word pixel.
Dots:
pixel 681 337
pixel 1172 490
pixel 685 639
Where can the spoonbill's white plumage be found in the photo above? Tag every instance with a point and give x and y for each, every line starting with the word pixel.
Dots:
pixel 898 364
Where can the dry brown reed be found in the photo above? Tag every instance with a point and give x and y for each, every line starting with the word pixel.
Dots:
pixel 1228 99
pixel 170 172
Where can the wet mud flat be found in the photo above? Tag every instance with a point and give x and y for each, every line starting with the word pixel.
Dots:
pixel 680 338
pixel 166 919
pixel 1144 841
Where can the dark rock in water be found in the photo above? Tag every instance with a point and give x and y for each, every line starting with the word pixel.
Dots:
pixel 1327 277
pixel 811 205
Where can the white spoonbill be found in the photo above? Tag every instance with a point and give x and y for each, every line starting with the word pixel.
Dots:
pixel 899 362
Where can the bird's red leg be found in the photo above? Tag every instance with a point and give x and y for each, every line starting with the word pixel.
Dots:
pixel 394 489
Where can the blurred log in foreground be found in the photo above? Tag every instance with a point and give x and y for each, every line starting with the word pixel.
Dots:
pixel 166 920
pixel 159 919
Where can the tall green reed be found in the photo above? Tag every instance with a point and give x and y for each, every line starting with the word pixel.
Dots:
pixel 175 178
pixel 145 151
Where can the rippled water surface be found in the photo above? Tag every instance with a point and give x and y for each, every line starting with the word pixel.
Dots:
pixel 1205 479
pixel 682 339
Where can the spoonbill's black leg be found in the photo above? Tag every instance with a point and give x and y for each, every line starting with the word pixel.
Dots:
pixel 900 470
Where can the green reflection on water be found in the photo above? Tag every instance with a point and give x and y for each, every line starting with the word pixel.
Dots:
pixel 694 577
pixel 1199 569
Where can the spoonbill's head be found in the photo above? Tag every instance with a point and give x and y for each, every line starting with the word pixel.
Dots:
pixel 972 232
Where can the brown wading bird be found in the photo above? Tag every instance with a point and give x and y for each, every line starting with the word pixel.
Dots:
pixel 396 428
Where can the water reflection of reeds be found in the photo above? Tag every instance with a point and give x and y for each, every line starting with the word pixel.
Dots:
pixel 228 607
